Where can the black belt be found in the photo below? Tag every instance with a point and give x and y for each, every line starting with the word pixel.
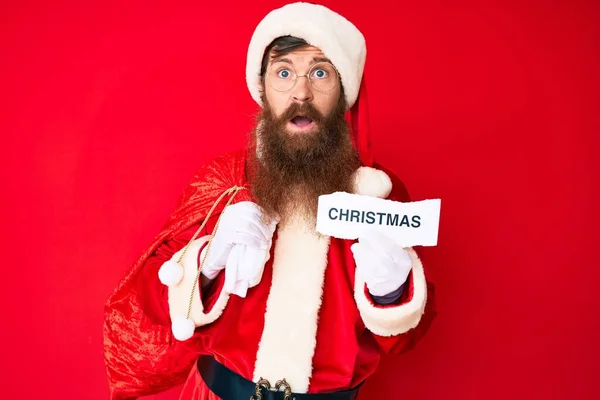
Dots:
pixel 229 385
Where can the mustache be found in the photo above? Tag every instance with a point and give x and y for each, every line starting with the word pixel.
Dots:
pixel 305 109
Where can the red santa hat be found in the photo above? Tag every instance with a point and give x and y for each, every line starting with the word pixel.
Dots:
pixel 337 38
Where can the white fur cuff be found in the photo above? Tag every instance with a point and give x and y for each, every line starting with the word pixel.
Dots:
pixel 179 294
pixel 392 321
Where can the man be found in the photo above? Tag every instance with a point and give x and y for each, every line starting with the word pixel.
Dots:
pixel 276 305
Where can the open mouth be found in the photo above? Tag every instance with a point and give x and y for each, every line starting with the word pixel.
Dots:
pixel 301 121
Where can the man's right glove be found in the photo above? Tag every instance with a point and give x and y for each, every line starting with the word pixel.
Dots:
pixel 241 246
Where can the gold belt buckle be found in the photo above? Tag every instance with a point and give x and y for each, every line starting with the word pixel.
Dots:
pixel 262 383
pixel 287 390
pixel 265 384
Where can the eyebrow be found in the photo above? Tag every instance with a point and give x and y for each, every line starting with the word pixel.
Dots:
pixel 313 61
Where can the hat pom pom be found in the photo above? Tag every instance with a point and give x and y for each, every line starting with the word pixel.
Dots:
pixel 170 273
pixel 372 182
pixel 182 328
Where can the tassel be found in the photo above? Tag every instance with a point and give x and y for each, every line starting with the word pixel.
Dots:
pixel 183 328
pixel 170 273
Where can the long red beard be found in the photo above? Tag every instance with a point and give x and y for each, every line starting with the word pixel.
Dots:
pixel 289 172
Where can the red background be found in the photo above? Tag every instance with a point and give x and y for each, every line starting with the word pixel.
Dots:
pixel 107 110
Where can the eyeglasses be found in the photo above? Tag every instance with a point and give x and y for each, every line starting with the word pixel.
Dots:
pixel 322 76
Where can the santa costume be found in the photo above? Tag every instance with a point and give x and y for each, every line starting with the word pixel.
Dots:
pixel 311 320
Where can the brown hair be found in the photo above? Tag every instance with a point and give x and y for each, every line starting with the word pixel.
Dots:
pixel 281 46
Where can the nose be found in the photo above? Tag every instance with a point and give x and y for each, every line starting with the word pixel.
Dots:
pixel 302 92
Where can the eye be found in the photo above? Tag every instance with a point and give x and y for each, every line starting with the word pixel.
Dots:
pixel 320 73
pixel 284 73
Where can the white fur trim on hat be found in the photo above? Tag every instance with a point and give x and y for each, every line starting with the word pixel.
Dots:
pixel 333 34
pixel 372 182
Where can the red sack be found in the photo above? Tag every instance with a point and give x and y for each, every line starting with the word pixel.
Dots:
pixel 143 358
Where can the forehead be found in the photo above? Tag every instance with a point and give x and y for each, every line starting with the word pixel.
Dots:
pixel 304 55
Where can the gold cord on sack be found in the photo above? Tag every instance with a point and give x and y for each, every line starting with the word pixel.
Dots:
pixel 234 190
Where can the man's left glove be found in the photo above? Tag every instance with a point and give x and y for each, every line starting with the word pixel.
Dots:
pixel 381 263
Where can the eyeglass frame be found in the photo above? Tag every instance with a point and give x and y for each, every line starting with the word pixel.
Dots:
pixel 307 76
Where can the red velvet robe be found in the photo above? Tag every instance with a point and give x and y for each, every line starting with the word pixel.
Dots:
pixel 312 325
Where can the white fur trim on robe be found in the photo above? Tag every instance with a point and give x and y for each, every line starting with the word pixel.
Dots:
pixel 300 259
pixel 179 295
pixel 286 349
pixel 390 321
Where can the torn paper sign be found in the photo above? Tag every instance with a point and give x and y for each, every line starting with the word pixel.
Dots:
pixel 349 216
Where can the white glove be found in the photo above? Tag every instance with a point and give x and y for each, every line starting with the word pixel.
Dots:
pixel 381 263
pixel 241 246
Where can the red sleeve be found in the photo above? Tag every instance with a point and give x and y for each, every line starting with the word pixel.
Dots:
pixel 153 295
